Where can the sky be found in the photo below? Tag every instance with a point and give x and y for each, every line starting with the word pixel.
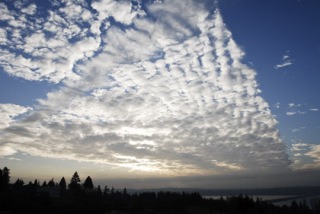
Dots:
pixel 146 94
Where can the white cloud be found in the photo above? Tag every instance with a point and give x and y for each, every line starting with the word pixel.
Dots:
pixel 8 112
pixel 277 105
pixel 305 156
pixel 298 129
pixel 294 109
pixel 313 109
pixel 286 61
pixel 315 152
pixel 6 150
pixel 48 48
pixel 292 105
pixel 167 94
pixel 290 113
pixel 121 10
pixel 5 13
pixel 30 10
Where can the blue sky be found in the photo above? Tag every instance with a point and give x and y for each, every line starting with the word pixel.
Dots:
pixel 273 33
pixel 181 91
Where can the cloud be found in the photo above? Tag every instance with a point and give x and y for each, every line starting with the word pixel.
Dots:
pixel 30 10
pixel 315 154
pixel 300 146
pixel 313 109
pixel 8 112
pixel 277 105
pixel 49 47
pixel 6 150
pixel 292 105
pixel 286 61
pixel 294 109
pixel 290 113
pixel 163 93
pixel 121 10
pixel 298 129
pixel 305 156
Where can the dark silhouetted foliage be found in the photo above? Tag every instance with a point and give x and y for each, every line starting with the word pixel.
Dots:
pixel 62 186
pixel 31 198
pixel 4 179
pixel 88 184
pixel 51 183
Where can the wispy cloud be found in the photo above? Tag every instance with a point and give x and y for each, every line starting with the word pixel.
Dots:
pixel 286 61
pixel 6 150
pixel 290 113
pixel 298 129
pixel 8 112
pixel 313 109
pixel 167 94
pixel 306 156
pixel 277 105
pixel 295 109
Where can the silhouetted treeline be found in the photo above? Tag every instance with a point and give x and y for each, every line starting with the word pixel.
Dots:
pixel 77 197
pixel 312 190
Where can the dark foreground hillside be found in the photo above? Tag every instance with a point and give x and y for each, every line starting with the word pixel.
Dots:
pixel 77 197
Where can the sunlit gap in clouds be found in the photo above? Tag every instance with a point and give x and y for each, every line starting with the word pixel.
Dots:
pixel 160 89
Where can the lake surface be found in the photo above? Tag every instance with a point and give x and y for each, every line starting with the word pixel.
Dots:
pixel 278 200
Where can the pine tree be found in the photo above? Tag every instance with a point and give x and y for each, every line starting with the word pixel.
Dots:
pixel 62 186
pixel 36 183
pixel 88 184
pixel 105 191
pixel 19 183
pixel 1 180
pixel 74 182
pixel 5 178
pixel 51 183
pixel 99 192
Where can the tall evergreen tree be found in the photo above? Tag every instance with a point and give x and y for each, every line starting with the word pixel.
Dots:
pixel 88 184
pixel 19 183
pixel 4 179
pixel 6 176
pixel 51 183
pixel 99 192
pixel 36 183
pixel 1 181
pixel 62 186
pixel 105 191
pixel 75 182
pixel 124 192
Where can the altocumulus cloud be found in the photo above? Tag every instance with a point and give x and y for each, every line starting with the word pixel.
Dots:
pixel 149 87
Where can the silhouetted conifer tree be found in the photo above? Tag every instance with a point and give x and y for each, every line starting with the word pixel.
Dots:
pixel 74 185
pixel 112 190
pixel 51 183
pixel 124 192
pixel 88 184
pixel 1 181
pixel 4 179
pixel 105 191
pixel 19 183
pixel 62 186
pixel 36 183
pixel 99 192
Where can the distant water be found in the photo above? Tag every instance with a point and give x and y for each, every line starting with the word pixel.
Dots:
pixel 304 199
pixel 254 197
pixel 279 200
